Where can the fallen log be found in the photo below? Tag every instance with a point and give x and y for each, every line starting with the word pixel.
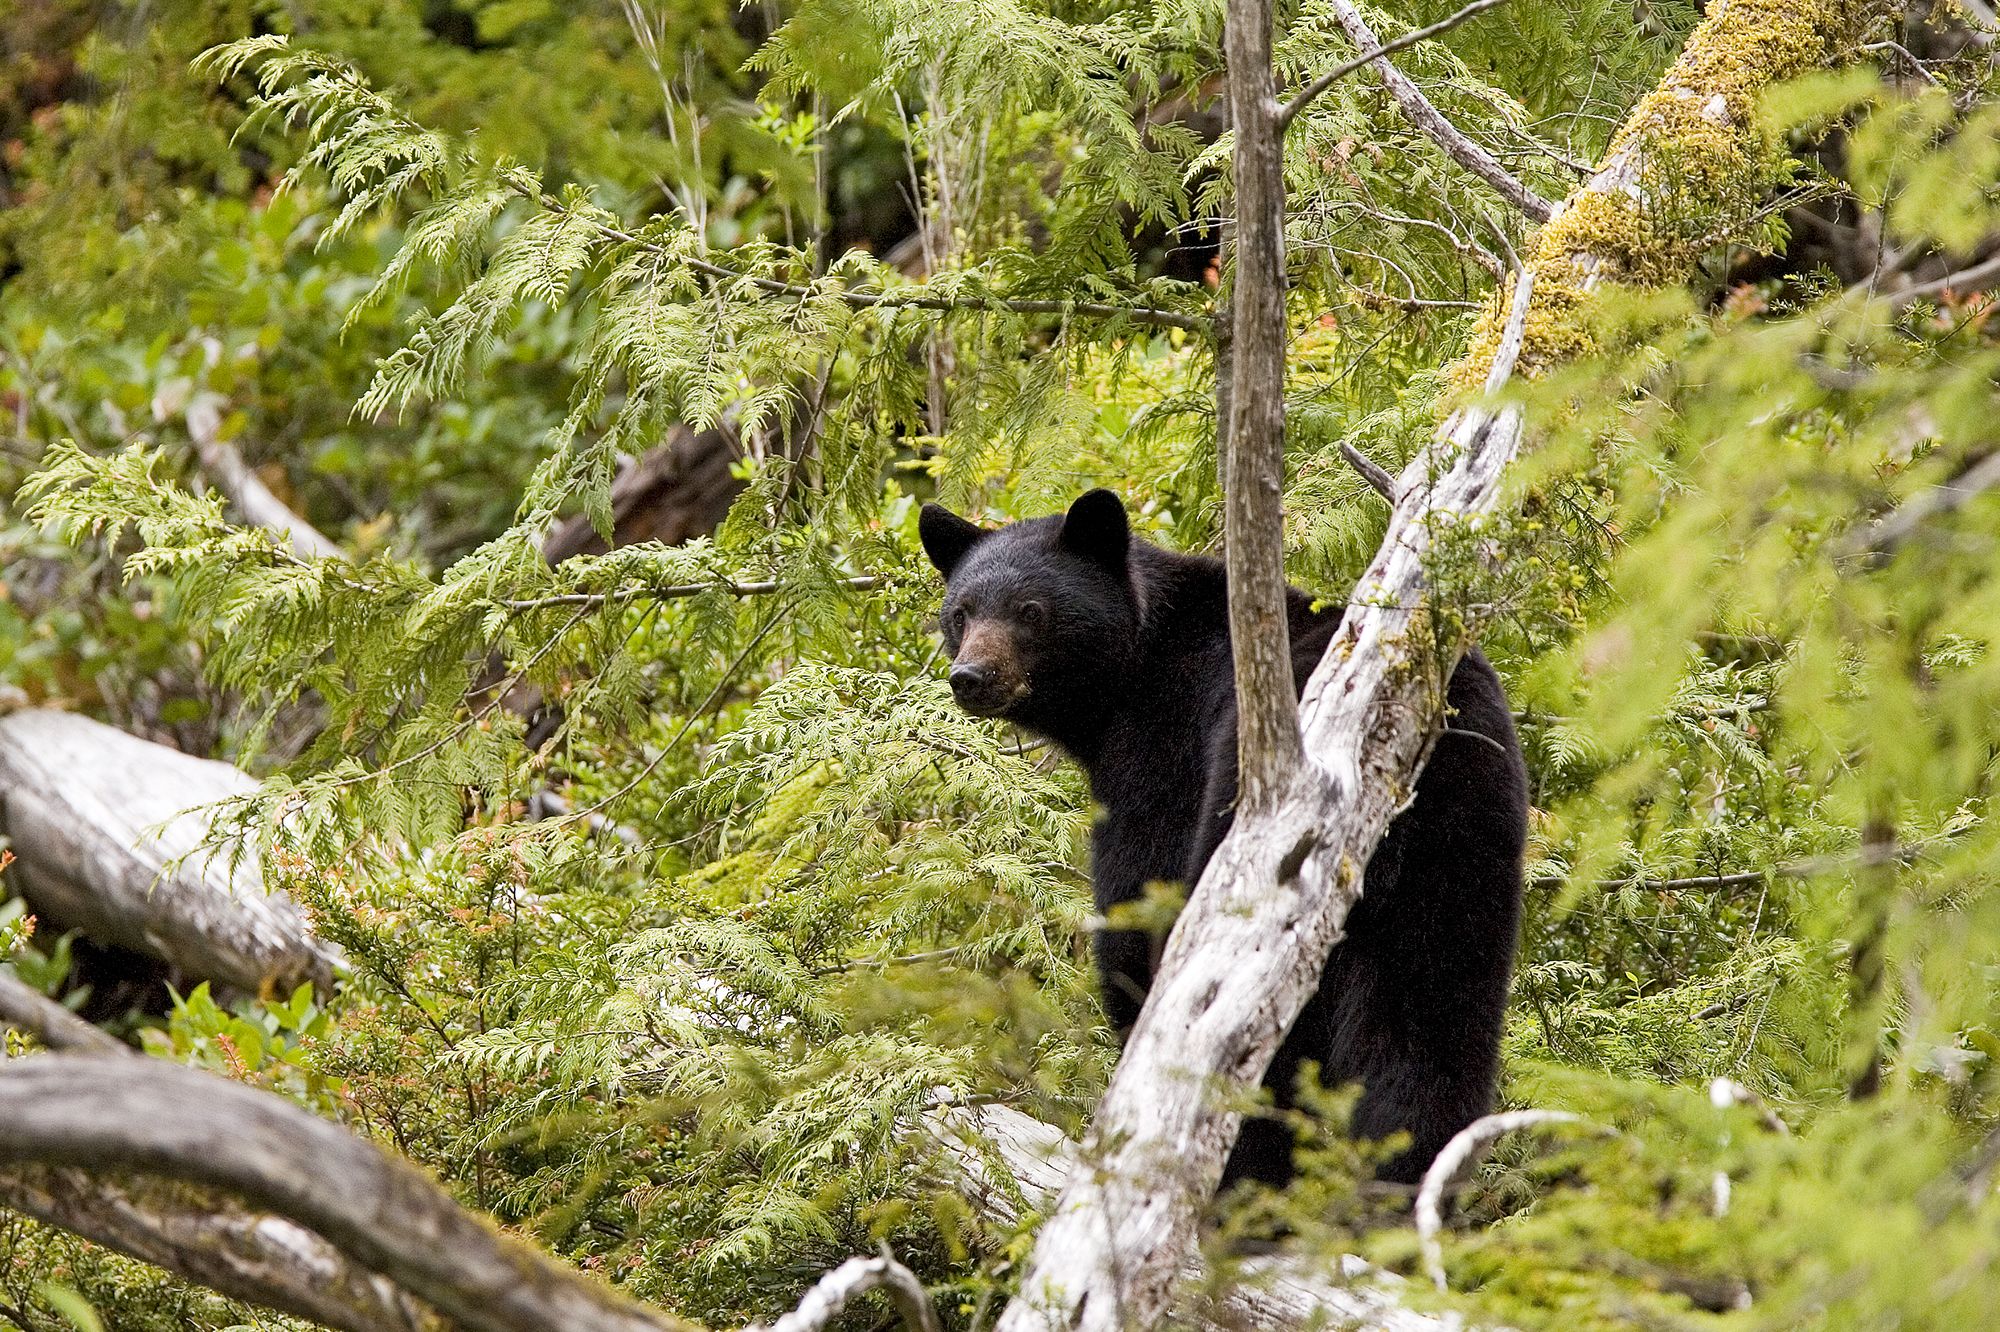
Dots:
pixel 109 838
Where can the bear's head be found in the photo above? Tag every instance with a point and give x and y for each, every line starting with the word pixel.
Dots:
pixel 1039 616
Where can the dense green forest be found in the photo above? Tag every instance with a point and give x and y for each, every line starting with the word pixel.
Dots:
pixel 499 427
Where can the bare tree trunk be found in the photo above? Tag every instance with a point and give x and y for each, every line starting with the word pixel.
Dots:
pixel 109 839
pixel 1253 458
pixel 1246 952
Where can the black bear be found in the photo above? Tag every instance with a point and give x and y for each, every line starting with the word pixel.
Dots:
pixel 1118 652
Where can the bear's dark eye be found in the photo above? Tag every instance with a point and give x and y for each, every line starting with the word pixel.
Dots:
pixel 957 619
pixel 1033 614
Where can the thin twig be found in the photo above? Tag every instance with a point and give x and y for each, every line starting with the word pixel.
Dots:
pixel 1432 122
pixel 1303 96
pixel 668 591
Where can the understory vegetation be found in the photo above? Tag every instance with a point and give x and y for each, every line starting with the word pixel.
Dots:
pixel 673 890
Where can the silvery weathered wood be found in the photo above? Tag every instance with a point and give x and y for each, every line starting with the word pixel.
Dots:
pixel 107 833
pixel 1277 1293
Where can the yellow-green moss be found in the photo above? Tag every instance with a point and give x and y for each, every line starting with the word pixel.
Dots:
pixel 1701 175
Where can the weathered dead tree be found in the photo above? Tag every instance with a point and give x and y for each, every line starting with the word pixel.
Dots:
pixel 207 1239
pixel 298 1214
pixel 1247 950
pixel 109 838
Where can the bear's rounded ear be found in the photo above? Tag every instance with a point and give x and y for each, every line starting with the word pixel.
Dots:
pixel 946 536
pixel 1095 528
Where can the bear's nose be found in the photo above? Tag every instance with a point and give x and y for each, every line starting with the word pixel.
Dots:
pixel 971 685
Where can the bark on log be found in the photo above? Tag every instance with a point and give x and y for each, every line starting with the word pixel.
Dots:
pixel 93 1115
pixel 211 1241
pixel 247 1255
pixel 107 835
pixel 1247 949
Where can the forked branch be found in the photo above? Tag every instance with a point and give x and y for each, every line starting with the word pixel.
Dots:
pixel 1431 121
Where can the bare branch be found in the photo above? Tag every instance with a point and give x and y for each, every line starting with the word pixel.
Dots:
pixel 668 591
pixel 1967 280
pixel 1466 1147
pixel 852 1279
pixel 1304 96
pixel 1378 480
pixel 27 1009
pixel 1432 122
pixel 100 1114
pixel 1876 543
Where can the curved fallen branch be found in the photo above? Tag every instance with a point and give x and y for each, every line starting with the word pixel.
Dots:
pixel 213 1242
pixel 26 1009
pixel 852 1279
pixel 95 1114
pixel 108 839
pixel 1466 1146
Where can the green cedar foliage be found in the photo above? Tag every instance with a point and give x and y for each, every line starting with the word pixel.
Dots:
pixel 680 1032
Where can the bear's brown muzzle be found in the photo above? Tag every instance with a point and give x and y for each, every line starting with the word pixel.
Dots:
pixel 986 675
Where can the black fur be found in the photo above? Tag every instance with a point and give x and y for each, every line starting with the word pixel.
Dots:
pixel 1121 654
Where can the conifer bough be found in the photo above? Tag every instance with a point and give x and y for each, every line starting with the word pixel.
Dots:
pixel 1246 951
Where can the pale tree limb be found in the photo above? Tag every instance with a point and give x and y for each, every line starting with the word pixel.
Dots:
pixel 26 1009
pixel 1427 118
pixel 108 839
pixel 1876 543
pixel 1466 1147
pixel 1246 950
pixel 1304 96
pixel 1007 1165
pixel 212 1241
pixel 853 1279
pixel 223 464
pixel 1377 477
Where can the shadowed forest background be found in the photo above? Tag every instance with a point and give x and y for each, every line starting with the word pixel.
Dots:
pixel 498 426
